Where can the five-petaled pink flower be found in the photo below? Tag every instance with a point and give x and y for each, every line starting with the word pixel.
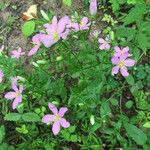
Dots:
pixel 16 95
pixel 17 53
pixel 1 75
pixel 104 44
pixel 55 31
pixel 57 118
pixel 121 64
pixel 93 7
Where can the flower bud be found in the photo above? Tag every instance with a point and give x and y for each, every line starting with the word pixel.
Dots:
pixel 93 7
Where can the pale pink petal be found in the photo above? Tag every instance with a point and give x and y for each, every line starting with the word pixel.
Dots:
pixel 54 20
pixel 21 88
pixel 16 101
pixel 102 46
pixel 100 40
pixel 1 75
pixel 93 7
pixel 64 123
pixel 53 108
pixel 56 127
pixel 48 118
pixel 115 70
pixel 62 111
pixel 33 50
pixel 84 20
pixel 35 38
pixel 117 49
pixel 115 60
pixel 10 95
pixel 107 46
pixel 62 24
pixel 123 57
pixel 129 62
pixel 65 34
pixel 19 49
pixel 14 87
pixel 126 49
pixel 124 71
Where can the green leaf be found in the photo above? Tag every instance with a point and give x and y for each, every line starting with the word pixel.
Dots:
pixel 67 2
pixel 135 133
pixel 44 15
pixel 114 101
pixel 73 138
pixel 135 14
pixel 30 117
pixel 104 109
pixel 71 129
pixel 28 28
pixel 12 117
pixel 147 124
pixel 115 5
pixel 144 44
pixel 129 104
pixel 130 80
pixel 2 133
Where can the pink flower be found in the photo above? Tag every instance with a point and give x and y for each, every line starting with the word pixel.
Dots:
pixel 119 52
pixel 16 95
pixel 36 40
pixel 93 7
pixel 105 44
pixel 121 64
pixel 17 53
pixel 83 25
pixel 55 31
pixel 1 75
pixel 56 118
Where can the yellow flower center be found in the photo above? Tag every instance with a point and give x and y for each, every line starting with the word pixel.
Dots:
pixel 17 93
pixel 105 42
pixel 82 25
pixel 55 36
pixel 121 64
pixel 57 117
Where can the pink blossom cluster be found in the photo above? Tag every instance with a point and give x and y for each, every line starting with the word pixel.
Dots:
pixel 57 30
pixel 122 61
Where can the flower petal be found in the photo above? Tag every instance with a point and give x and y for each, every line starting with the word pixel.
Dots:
pixel 107 46
pixel 117 49
pixel 53 108
pixel 10 95
pixel 56 127
pixel 62 24
pixel 129 62
pixel 115 70
pixel 54 20
pixel 124 71
pixel 84 20
pixel 17 100
pixel 48 118
pixel 100 40
pixel 126 49
pixel 33 50
pixel 64 123
pixel 115 60
pixel 102 46
pixel 21 88
pixel 62 111
pixel 14 86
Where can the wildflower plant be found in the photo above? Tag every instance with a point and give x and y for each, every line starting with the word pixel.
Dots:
pixel 85 77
